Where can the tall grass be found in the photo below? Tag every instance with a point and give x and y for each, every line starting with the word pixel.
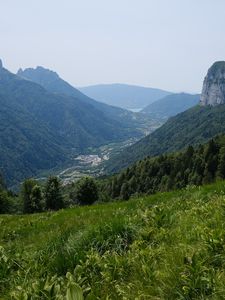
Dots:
pixel 166 246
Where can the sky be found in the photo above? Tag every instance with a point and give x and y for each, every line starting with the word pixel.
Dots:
pixel 167 44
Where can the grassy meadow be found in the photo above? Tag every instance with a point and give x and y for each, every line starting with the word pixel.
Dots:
pixel 164 246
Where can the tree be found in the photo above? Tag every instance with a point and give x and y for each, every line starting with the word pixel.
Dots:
pixel 37 198
pixel 124 192
pixel 26 193
pixel 132 185
pixel 4 202
pixel 2 183
pixel 221 164
pixel 53 194
pixel 211 149
pixel 115 188
pixel 86 191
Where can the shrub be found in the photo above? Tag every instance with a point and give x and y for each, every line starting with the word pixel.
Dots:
pixel 86 191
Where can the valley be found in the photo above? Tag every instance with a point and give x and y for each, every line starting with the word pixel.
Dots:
pixel 49 123
pixel 91 163
pixel 112 150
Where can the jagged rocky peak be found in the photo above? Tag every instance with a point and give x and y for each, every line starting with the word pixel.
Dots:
pixel 20 72
pixel 38 75
pixel 1 65
pixel 213 91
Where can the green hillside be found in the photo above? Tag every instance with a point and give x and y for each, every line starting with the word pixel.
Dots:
pixel 193 166
pixel 194 126
pixel 171 105
pixel 166 246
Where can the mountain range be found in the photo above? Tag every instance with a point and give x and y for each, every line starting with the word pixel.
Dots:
pixel 124 95
pixel 41 128
pixel 51 81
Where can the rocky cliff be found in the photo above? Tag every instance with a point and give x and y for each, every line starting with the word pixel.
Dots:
pixel 213 92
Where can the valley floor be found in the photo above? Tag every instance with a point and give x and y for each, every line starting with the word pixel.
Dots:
pixel 165 246
pixel 90 163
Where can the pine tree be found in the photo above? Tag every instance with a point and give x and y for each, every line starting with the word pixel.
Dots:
pixel 133 184
pixel 4 202
pixel 2 183
pixel 221 164
pixel 124 192
pixel 115 187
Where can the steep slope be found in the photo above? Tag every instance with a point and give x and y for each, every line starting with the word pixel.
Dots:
pixel 171 105
pixel 51 81
pixel 124 95
pixel 194 126
pixel 213 91
pixel 80 122
pixel 39 129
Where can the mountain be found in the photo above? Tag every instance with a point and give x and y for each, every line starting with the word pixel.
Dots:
pixel 171 105
pixel 194 126
pixel 51 81
pixel 124 95
pixel 26 143
pixel 40 130
pixel 213 91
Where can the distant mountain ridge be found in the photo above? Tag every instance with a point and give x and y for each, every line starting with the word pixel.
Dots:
pixel 171 105
pixel 52 82
pixel 124 95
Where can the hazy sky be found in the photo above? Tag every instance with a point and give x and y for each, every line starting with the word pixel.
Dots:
pixel 168 44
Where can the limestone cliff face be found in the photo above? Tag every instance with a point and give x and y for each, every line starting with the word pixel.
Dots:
pixel 213 91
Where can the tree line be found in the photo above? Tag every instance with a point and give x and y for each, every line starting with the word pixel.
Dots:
pixel 194 166
pixel 34 197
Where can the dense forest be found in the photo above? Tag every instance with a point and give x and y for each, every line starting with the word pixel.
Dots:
pixel 194 166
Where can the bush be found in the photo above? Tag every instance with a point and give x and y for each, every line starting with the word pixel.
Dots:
pixel 86 191
pixel 26 193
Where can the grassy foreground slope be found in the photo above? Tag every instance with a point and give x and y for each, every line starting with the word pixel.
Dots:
pixel 165 246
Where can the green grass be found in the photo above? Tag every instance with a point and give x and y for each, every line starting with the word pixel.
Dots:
pixel 165 246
